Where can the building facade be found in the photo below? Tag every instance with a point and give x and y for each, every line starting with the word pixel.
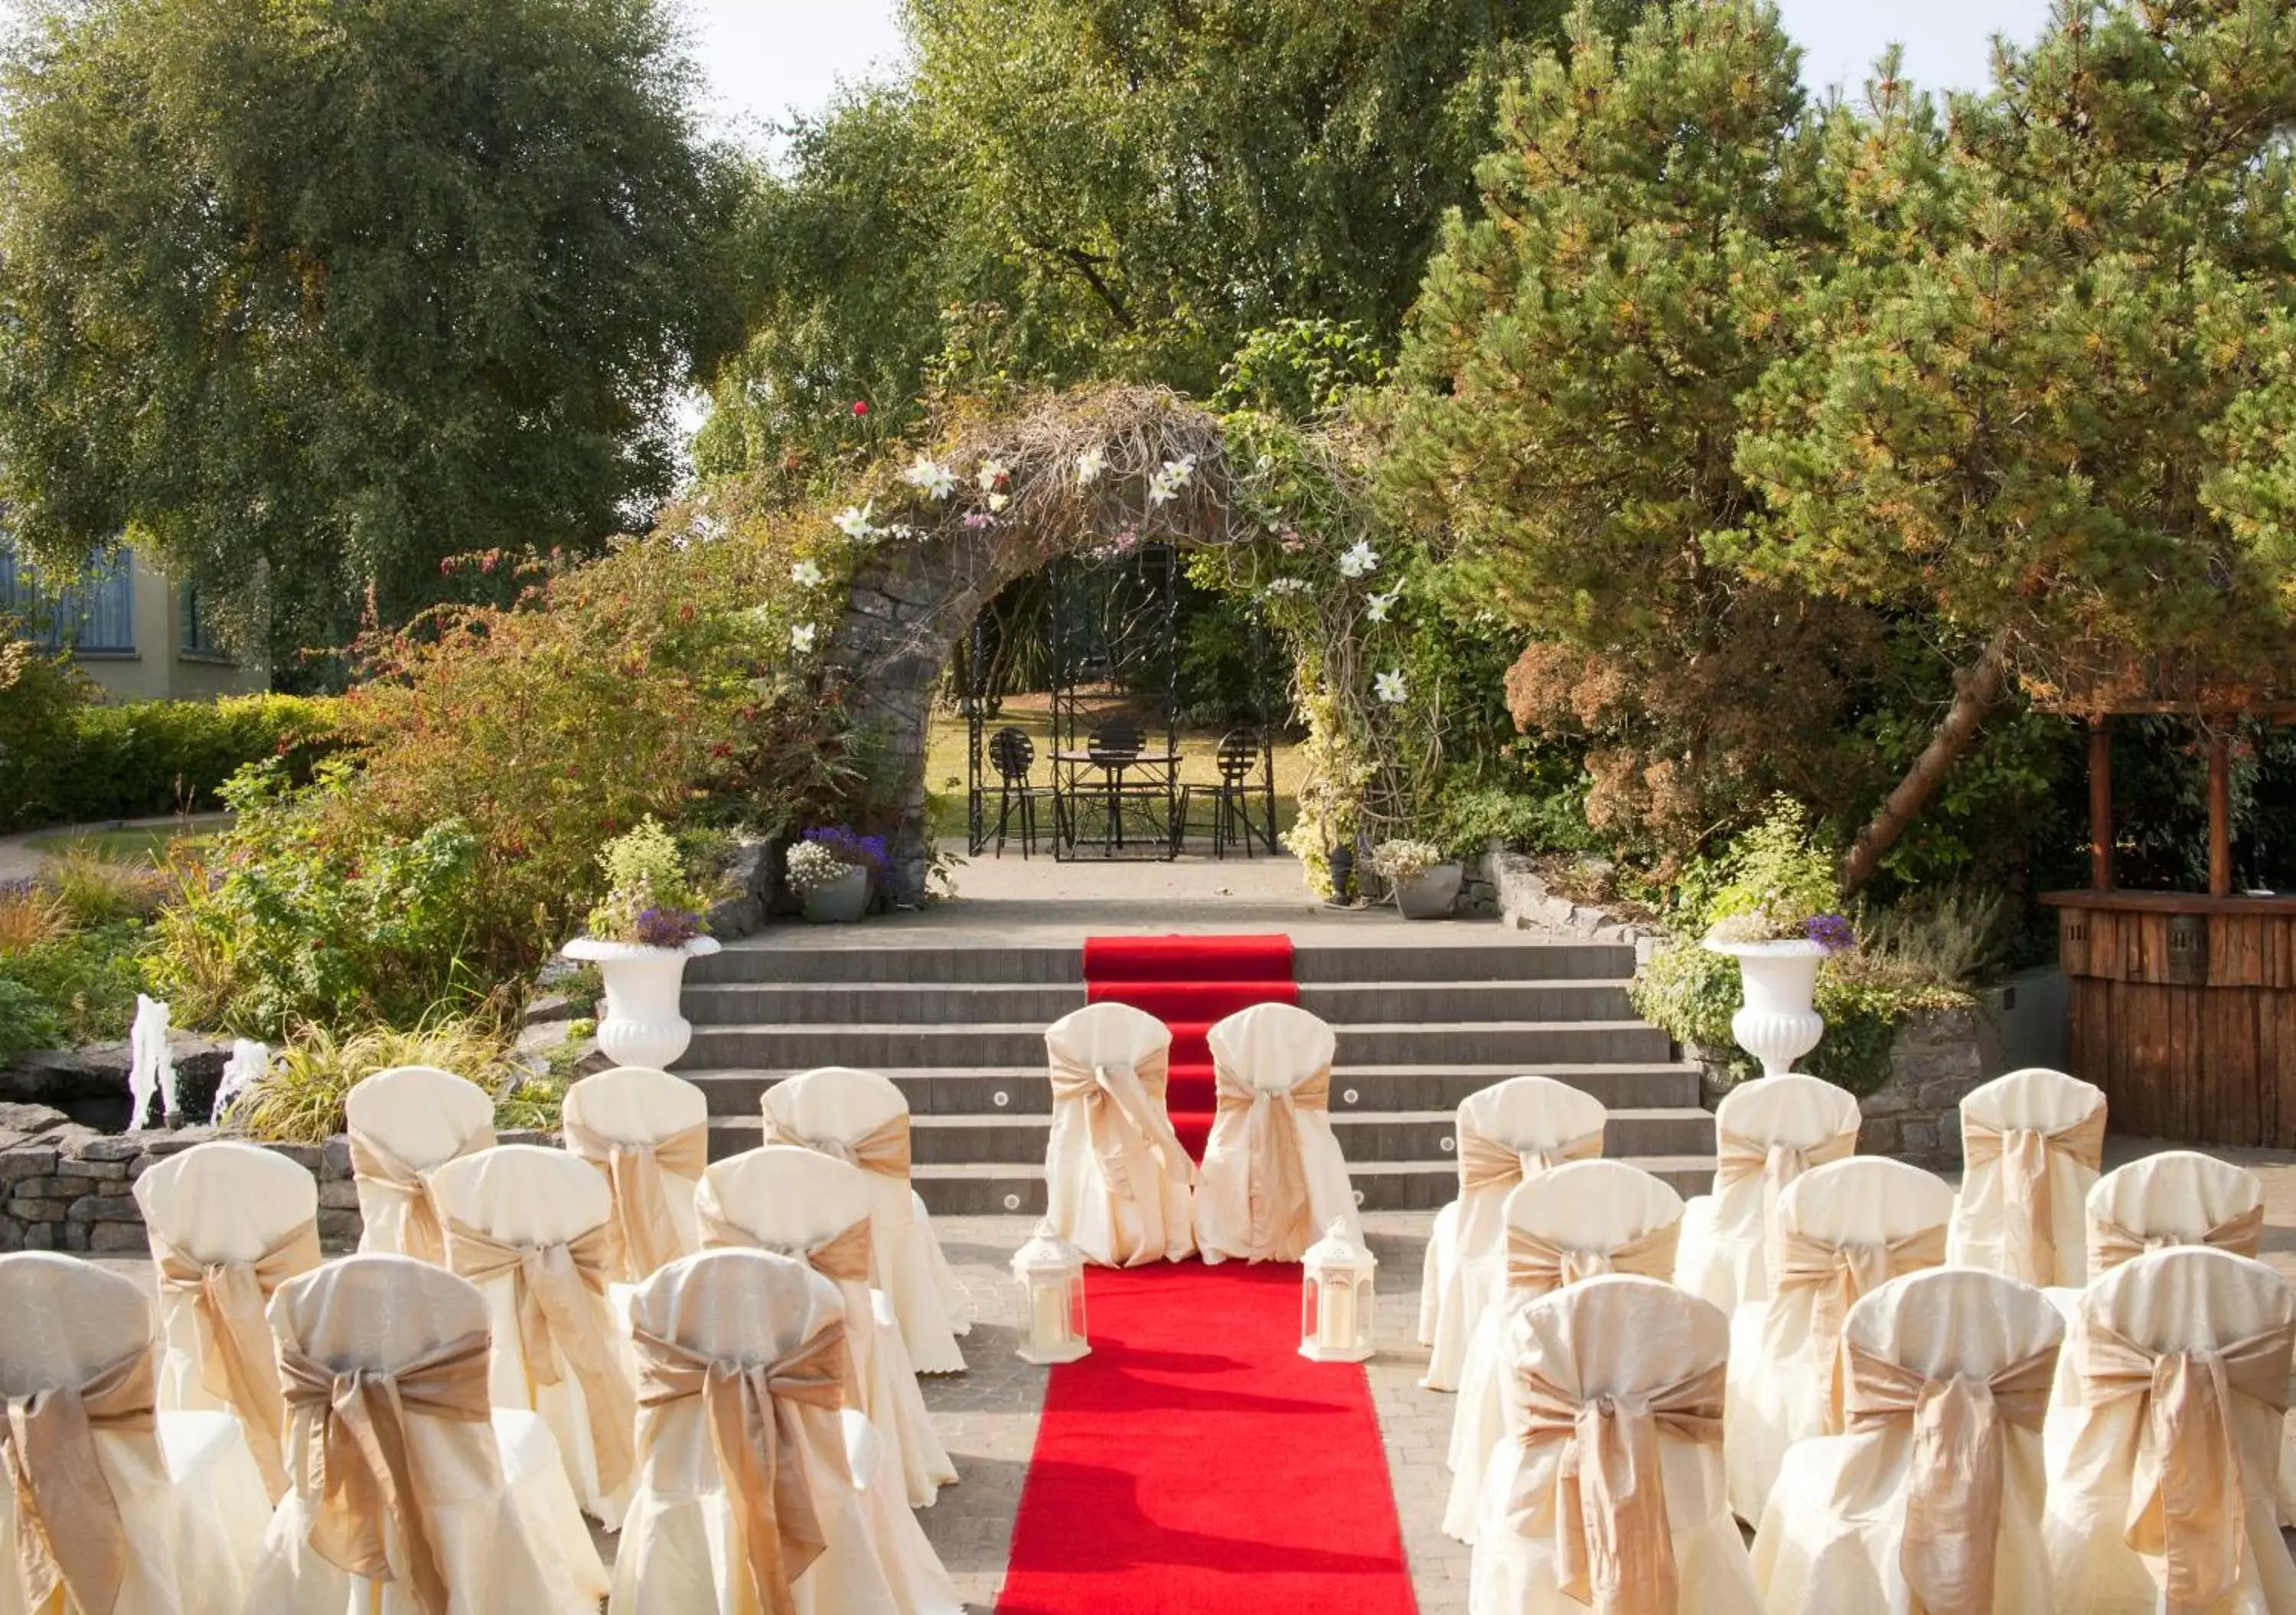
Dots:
pixel 136 635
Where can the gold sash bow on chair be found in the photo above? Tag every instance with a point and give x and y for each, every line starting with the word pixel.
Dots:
pixel 1737 1157
pixel 2110 1245
pixel 1535 1266
pixel 1613 1541
pixel 1953 1508
pixel 649 1240
pixel 1835 1276
pixel 1283 1225
pixel 1115 1097
pixel 1486 1163
pixel 883 1149
pixel 844 1258
pixel 2029 1240
pixel 356 1479
pixel 558 1295
pixel 760 1446
pixel 2188 1505
pixel 376 1163
pixel 235 1362
pixel 69 1529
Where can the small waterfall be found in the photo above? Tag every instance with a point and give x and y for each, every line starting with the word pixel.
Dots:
pixel 247 1062
pixel 150 1067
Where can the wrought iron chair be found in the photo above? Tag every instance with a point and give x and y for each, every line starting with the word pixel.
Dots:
pixel 1113 747
pixel 1231 798
pixel 1013 754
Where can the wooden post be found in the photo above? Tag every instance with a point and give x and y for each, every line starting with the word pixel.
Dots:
pixel 2219 811
pixel 2100 803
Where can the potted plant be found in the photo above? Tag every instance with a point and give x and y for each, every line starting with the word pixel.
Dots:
pixel 1425 883
pixel 640 936
pixel 1776 919
pixel 832 870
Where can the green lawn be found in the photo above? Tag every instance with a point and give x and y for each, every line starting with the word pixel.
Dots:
pixel 148 844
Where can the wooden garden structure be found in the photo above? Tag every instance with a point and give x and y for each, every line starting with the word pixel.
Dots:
pixel 2182 1005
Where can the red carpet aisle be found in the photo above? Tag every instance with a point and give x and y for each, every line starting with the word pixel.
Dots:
pixel 1189 983
pixel 1196 1465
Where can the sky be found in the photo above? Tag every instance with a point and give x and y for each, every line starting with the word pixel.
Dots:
pixel 764 58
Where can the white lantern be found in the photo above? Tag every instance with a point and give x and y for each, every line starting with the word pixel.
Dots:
pixel 1336 1310
pixel 1051 1273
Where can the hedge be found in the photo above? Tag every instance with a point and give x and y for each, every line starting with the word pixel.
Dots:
pixel 90 763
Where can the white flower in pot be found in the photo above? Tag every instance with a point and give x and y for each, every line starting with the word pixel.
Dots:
pixel 1426 884
pixel 831 869
pixel 641 935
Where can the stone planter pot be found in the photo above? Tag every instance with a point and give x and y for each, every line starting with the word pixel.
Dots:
pixel 841 902
pixel 642 1025
pixel 1777 1023
pixel 1430 893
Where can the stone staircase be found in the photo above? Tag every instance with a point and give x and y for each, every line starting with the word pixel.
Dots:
pixel 962 1030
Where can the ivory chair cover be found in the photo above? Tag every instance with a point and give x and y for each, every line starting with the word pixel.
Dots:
pixel 404 1124
pixel 477 1516
pixel 1272 1180
pixel 741 1438
pixel 2030 1143
pixel 1609 1493
pixel 1930 1504
pixel 649 1132
pixel 1508 1132
pixel 2163 1441
pixel 801 1203
pixel 1579 1221
pixel 534 1229
pixel 1844 1228
pixel 1118 1186
pixel 229 1222
pixel 109 1507
pixel 1767 1133
pixel 863 1118
pixel 2178 1197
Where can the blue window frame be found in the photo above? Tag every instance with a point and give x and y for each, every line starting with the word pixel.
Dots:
pixel 95 615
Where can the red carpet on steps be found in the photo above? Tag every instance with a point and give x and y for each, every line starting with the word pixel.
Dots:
pixel 1189 983
pixel 1196 1465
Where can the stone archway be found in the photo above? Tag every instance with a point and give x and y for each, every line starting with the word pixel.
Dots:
pixel 1076 468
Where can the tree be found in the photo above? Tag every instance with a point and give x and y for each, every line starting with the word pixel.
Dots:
pixel 2034 398
pixel 308 295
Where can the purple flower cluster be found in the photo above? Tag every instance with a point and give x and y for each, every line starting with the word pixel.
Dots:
pixel 1831 932
pixel 850 846
pixel 668 927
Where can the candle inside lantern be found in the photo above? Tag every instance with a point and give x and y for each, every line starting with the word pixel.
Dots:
pixel 1048 1314
pixel 1335 1323
pixel 1339 1327
pixel 1051 1273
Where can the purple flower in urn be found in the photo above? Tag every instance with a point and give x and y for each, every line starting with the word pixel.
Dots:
pixel 1831 932
pixel 668 927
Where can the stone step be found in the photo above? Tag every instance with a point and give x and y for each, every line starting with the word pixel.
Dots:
pixel 1527 1043
pixel 1023 1090
pixel 969 1188
pixel 1313 963
pixel 988 1004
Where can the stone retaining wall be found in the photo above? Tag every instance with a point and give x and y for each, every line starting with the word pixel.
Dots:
pixel 1917 1114
pixel 68 1187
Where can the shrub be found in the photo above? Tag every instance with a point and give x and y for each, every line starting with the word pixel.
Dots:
pixel 95 890
pixel 29 914
pixel 26 1020
pixel 1778 879
pixel 299 1100
pixel 86 980
pixel 40 696
pixel 1401 860
pixel 651 896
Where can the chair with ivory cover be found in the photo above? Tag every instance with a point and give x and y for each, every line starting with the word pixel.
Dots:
pixel 813 1207
pixel 1579 1221
pixel 1271 1145
pixel 1611 1492
pixel 534 1229
pixel 229 1222
pixel 403 1125
pixel 863 1118
pixel 1119 1186
pixel 1767 1133
pixel 649 1132
pixel 109 1507
pixel 2178 1197
pixel 743 1443
pixel 1930 1498
pixel 2163 1440
pixel 411 1494
pixel 1844 1228
pixel 2030 1145
pixel 1508 1132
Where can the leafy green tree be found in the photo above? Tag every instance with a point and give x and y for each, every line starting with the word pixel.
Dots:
pixel 2042 395
pixel 309 294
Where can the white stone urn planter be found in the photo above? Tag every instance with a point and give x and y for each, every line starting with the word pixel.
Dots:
pixel 1777 1023
pixel 642 1025
pixel 842 901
